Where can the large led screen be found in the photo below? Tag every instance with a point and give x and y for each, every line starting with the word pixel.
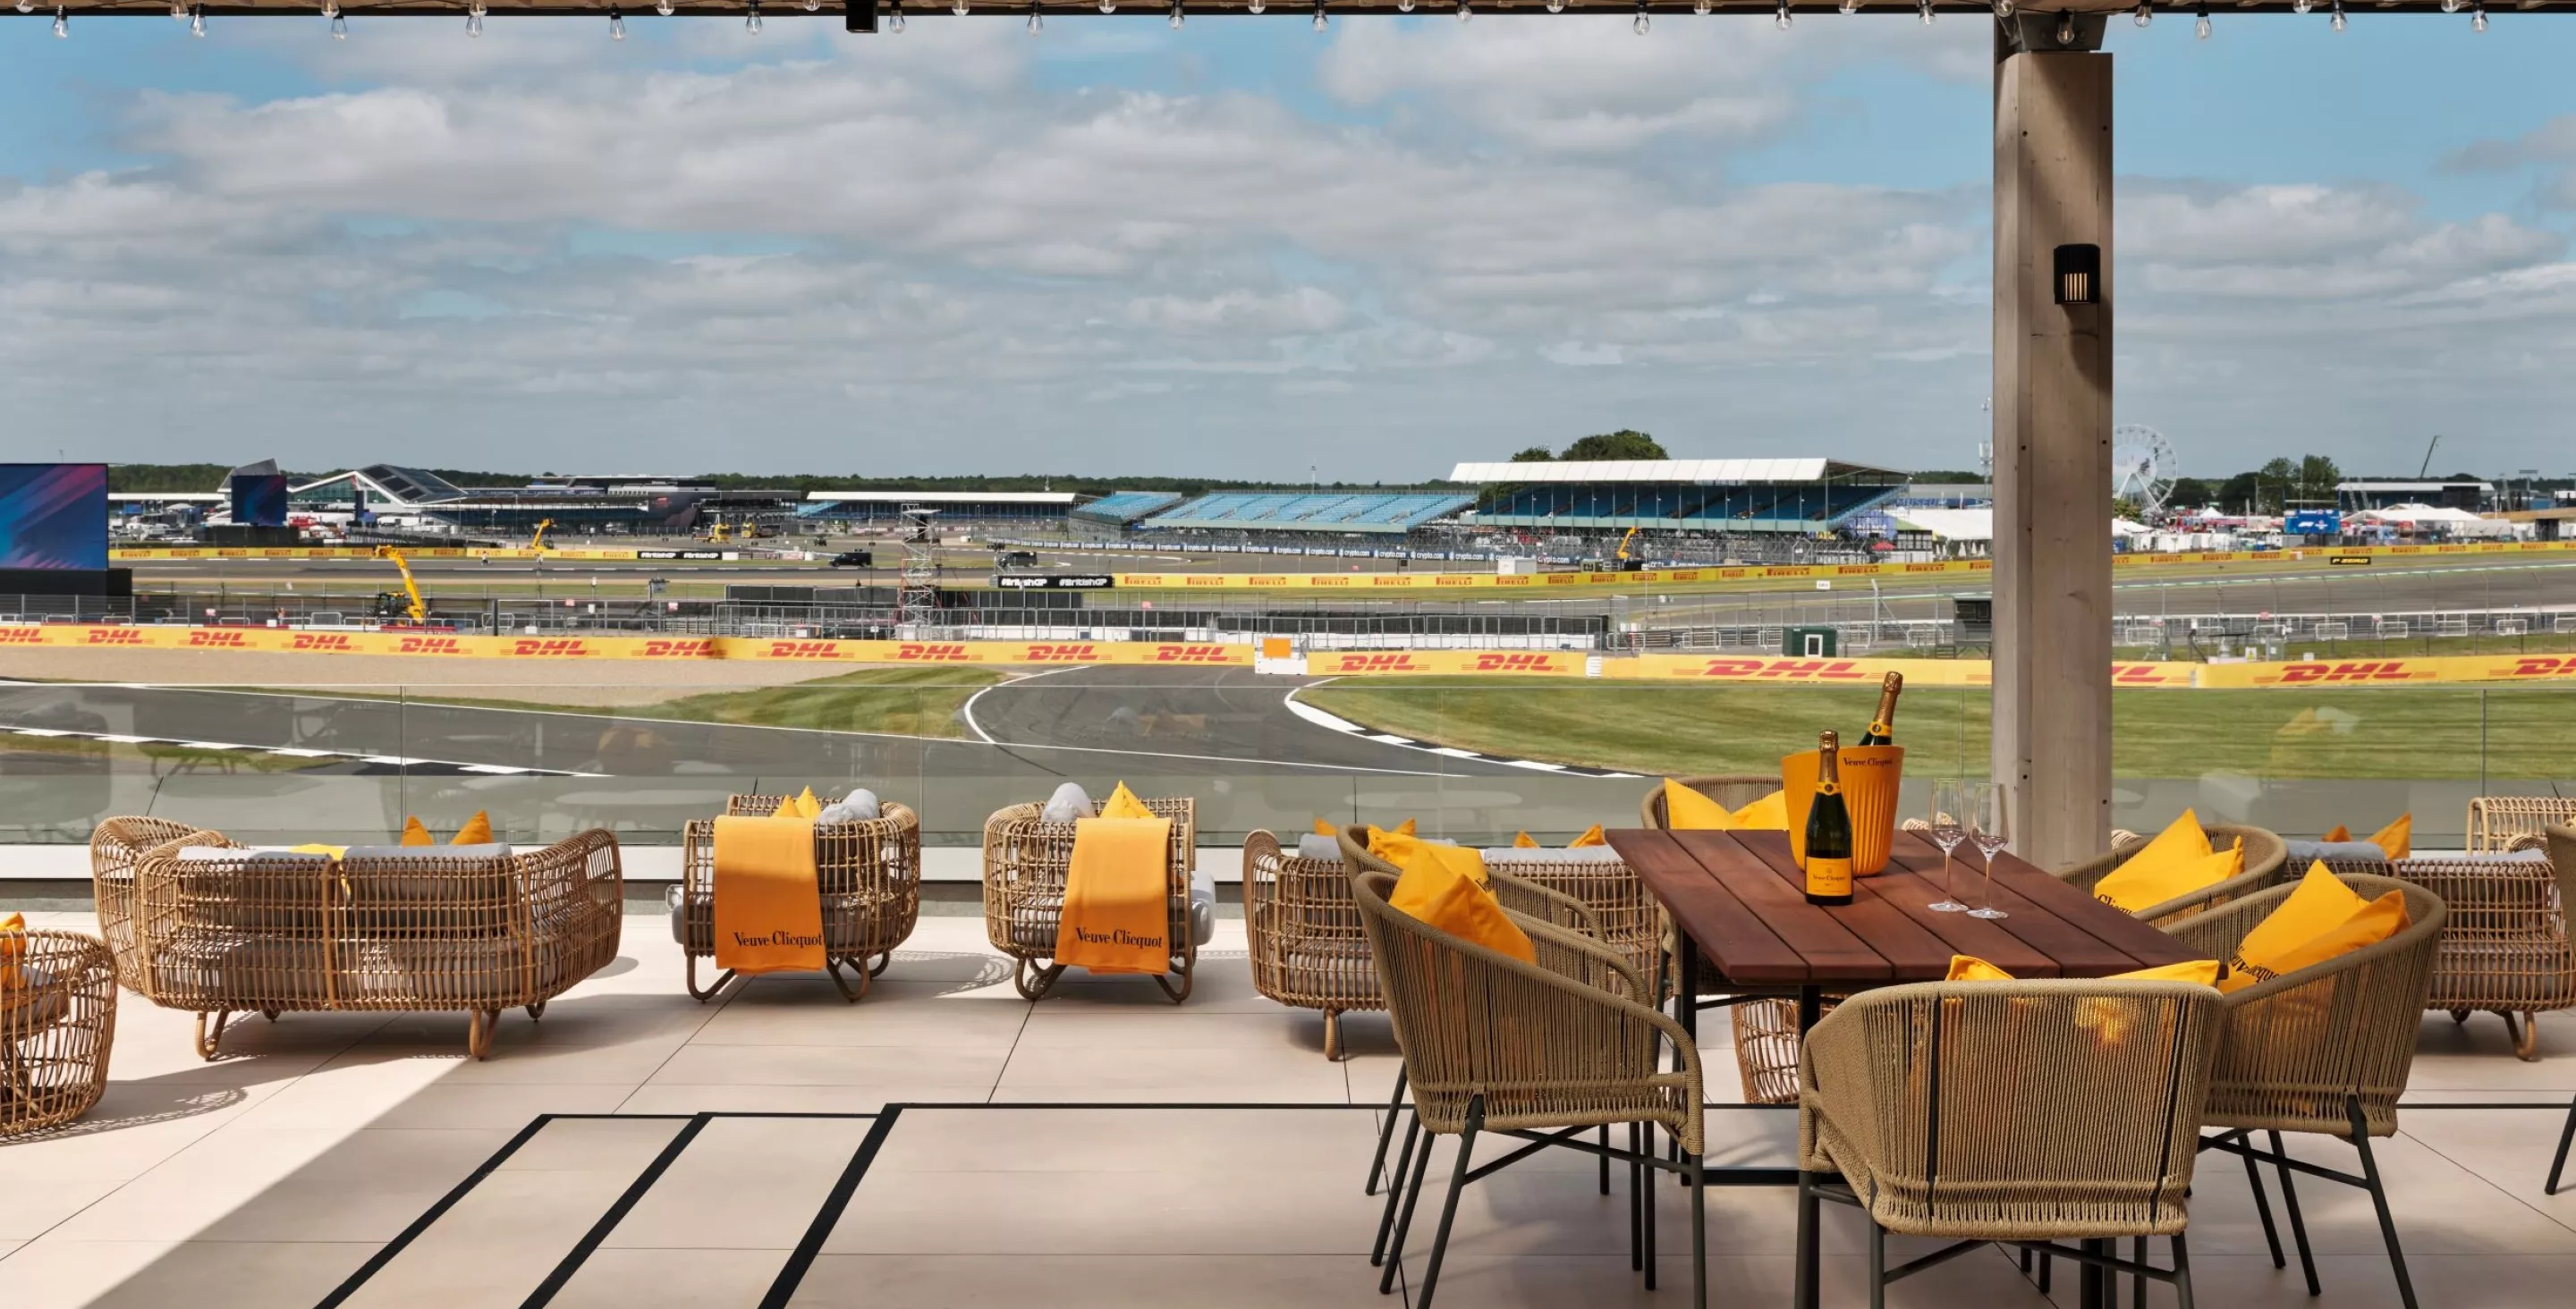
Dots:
pixel 259 499
pixel 53 516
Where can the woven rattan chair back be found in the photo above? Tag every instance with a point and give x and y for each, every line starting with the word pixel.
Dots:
pixel 2013 1110
pixel 1304 935
pixel 1025 859
pixel 868 874
pixel 1543 1049
pixel 2505 947
pixel 2299 1044
pixel 2497 821
pixel 116 849
pixel 57 1026
pixel 2265 854
pixel 1734 790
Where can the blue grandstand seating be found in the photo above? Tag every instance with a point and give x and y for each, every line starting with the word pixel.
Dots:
pixel 1334 511
pixel 1124 507
pixel 1801 507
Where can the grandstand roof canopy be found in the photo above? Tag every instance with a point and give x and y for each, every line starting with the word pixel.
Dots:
pixel 1384 512
pixel 948 497
pixel 1666 470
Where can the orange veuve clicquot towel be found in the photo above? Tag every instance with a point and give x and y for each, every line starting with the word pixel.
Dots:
pixel 1118 897
pixel 769 903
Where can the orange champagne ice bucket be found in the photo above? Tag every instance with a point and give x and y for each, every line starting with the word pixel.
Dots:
pixel 1870 777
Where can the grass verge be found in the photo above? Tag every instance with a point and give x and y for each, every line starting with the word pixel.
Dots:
pixel 905 701
pixel 2499 734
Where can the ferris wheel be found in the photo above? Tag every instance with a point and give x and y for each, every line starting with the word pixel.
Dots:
pixel 2142 466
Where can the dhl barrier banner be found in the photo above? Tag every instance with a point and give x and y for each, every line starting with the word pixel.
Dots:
pixel 1170 653
pixel 1488 663
pixel 2560 669
pixel 436 644
pixel 1799 672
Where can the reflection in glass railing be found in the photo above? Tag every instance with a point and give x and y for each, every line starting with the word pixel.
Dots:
pixel 1472 758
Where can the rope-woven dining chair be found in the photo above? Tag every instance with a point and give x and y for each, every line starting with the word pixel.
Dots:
pixel 2024 1113
pixel 2562 853
pixel 2323 1049
pixel 1545 1053
pixel 1765 1026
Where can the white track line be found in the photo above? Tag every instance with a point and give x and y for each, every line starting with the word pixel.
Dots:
pixel 1335 722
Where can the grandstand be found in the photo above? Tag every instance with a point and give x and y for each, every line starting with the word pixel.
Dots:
pixel 1377 513
pixel 1123 508
pixel 882 508
pixel 1730 496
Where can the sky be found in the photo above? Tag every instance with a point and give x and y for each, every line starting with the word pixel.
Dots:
pixel 1243 248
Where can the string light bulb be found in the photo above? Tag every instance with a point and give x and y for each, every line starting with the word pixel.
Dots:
pixel 616 24
pixel 339 27
pixel 2200 23
pixel 62 25
pixel 1643 22
pixel 1702 7
pixel 2478 16
pixel 2003 8
pixel 1257 6
pixel 2338 21
pixel 2450 6
pixel 1037 21
pixel 751 16
pixel 1779 16
pixel 474 18
pixel 1466 12
pixel 1851 6
pixel 1109 6
pixel 26 6
pixel 1321 22
pixel 2066 27
pixel 662 7
pixel 179 10
pixel 813 6
pixel 1556 6
pixel 2144 14
pixel 957 7
pixel 2302 6
pixel 1924 8
pixel 894 18
pixel 1176 19
pixel 197 20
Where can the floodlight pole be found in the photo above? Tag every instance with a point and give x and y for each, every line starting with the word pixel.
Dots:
pixel 2052 434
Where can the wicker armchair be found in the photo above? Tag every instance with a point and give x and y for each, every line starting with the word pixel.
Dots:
pixel 2324 1049
pixel 1025 858
pixel 1734 790
pixel 2497 821
pixel 1534 1051
pixel 116 850
pixel 1308 949
pixel 870 877
pixel 56 1028
pixel 2505 948
pixel 2265 854
pixel 1942 1109
pixel 240 930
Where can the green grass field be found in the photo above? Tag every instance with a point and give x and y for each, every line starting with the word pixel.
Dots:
pixel 2412 733
pixel 909 701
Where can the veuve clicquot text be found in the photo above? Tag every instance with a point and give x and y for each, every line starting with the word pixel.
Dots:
pixel 1829 831
pixel 1882 725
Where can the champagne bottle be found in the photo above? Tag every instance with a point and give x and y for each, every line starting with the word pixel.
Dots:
pixel 1829 832
pixel 1882 725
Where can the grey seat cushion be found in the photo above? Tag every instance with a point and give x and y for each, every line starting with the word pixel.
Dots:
pixel 860 806
pixel 1202 906
pixel 1069 802
pixel 1317 846
pixel 2304 853
pixel 1581 854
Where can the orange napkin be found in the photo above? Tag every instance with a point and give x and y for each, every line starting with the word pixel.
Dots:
pixel 1118 897
pixel 769 900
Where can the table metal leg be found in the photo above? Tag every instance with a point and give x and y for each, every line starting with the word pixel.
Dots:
pixel 1811 1003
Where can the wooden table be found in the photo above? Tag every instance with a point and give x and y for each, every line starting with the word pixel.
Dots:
pixel 1740 904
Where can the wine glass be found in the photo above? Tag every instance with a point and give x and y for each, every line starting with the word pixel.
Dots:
pixel 1991 829
pixel 1949 802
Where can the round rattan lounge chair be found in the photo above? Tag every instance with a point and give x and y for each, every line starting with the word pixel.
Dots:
pixel 2325 1049
pixel 1025 858
pixel 57 1025
pixel 870 878
pixel 1971 1143
pixel 2505 948
pixel 1307 947
pixel 2496 822
pixel 221 929
pixel 116 850
pixel 2265 854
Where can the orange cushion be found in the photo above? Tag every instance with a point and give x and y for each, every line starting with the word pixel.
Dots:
pixel 2161 872
pixel 2398 838
pixel 1444 886
pixel 416 834
pixel 1768 814
pixel 2321 920
pixel 1591 836
pixel 1122 803
pixel 1686 810
pixel 1969 968
pixel 1524 841
pixel 476 831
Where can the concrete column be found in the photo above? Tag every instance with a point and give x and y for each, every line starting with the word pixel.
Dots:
pixel 2052 407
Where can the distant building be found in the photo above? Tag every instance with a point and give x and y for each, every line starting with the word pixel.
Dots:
pixel 1778 496
pixel 2352 497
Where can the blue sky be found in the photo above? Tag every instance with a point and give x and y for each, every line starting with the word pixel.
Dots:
pixel 1244 247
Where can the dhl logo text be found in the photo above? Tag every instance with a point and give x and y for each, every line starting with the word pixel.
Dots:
pixel 321 641
pixel 1189 654
pixel 804 649
pixel 1379 663
pixel 1063 654
pixel 2386 670
pixel 541 648
pixel 699 649
pixel 1514 663
pixel 2544 666
pixel 1822 670
pixel 449 645
pixel 22 636
pixel 920 652
pixel 114 636
pixel 229 640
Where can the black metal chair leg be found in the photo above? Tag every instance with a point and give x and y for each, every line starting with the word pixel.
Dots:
pixel 1699 1234
pixel 2298 1225
pixel 1877 1263
pixel 1395 1190
pixel 1646 1194
pixel 2138 1281
pixel 2047 1271
pixel 2182 1273
pixel 1404 1217
pixel 1636 1202
pixel 1605 1159
pixel 1449 1207
pixel 2566 1137
pixel 1806 1292
pixel 1385 1134
pixel 2379 1200
pixel 2090 1278
pixel 2262 1203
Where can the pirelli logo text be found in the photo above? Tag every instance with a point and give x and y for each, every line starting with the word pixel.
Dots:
pixel 2368 670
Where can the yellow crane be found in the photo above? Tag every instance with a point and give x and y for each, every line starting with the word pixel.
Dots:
pixel 539 544
pixel 417 608
pixel 1623 544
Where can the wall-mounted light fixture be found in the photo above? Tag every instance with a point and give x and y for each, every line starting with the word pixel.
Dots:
pixel 2079 274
